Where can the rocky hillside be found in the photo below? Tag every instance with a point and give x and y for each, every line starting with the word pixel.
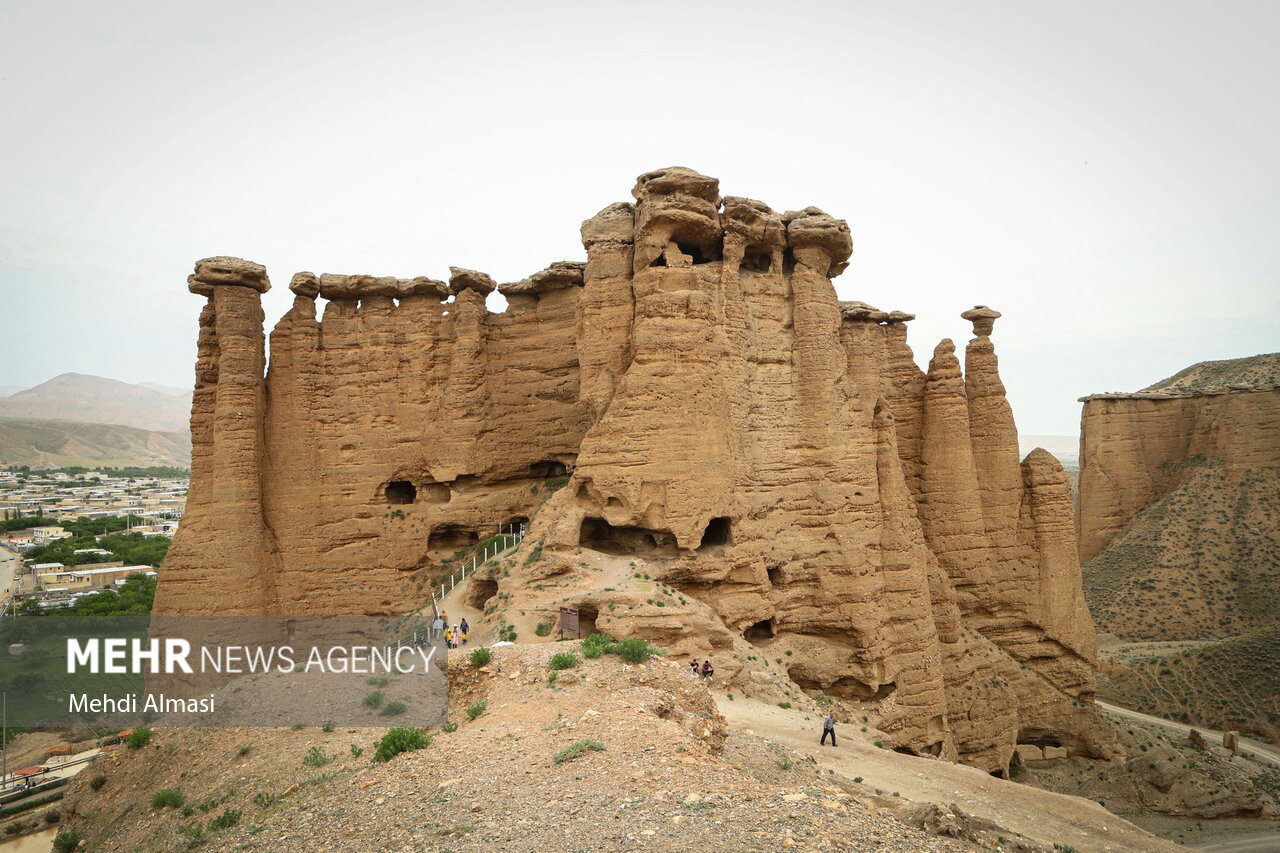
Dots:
pixel 601 756
pixel 96 399
pixel 1230 685
pixel 1201 562
pixel 53 444
pixel 1256 373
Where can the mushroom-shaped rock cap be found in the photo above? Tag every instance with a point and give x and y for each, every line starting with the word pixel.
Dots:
pixel 374 285
pixel 862 311
pixel 461 279
pixel 813 228
pixel 558 276
pixel 900 317
pixel 305 284
pixel 754 221
pixel 422 286
pixel 676 179
pixel 613 226
pixel 983 319
pixel 225 270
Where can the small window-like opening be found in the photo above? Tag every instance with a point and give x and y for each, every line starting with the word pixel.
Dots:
pixel 696 252
pixel 547 468
pixel 451 536
pixel 757 262
pixel 401 492
pixel 758 633
pixel 718 533
pixel 905 750
pixel 775 575
pixel 660 261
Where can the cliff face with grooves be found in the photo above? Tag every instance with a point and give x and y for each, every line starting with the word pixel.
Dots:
pixel 726 425
pixel 1179 488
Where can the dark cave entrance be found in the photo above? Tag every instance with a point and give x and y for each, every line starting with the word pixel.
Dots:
pixel 401 492
pixel 756 261
pixel 548 468
pixel 759 633
pixel 719 533
pixel 599 535
pixel 451 536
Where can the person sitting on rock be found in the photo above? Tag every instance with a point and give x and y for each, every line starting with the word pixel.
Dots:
pixel 693 666
pixel 828 728
pixel 707 669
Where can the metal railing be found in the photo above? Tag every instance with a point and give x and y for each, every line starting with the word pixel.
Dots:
pixel 513 535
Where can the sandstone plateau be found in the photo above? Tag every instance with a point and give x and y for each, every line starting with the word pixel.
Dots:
pixel 1179 520
pixel 1179 507
pixel 691 403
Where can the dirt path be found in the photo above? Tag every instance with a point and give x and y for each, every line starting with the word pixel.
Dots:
pixel 1252 748
pixel 1268 843
pixel 1046 817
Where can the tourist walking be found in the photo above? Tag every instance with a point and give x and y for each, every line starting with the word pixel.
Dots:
pixel 707 669
pixel 465 627
pixel 828 728
pixel 437 628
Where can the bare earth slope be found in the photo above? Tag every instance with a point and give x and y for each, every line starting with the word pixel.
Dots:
pixel 96 399
pixel 51 444
pixel 1232 685
pixel 663 778
pixel 667 776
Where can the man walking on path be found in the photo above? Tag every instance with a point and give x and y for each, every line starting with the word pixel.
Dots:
pixel 437 627
pixel 828 728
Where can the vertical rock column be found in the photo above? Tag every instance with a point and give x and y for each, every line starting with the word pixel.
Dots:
pixel 219 570
pixel 604 332
pixel 950 509
pixel 993 436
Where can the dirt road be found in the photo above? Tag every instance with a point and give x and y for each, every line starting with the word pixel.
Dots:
pixel 1254 749
pixel 1040 815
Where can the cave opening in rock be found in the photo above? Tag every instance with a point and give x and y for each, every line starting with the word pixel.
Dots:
pixel 480 591
pixel 759 633
pixel 775 575
pixel 699 255
pixel 852 688
pixel 599 535
pixel 451 536
pixel 719 533
pixel 401 492
pixel 548 468
pixel 756 261
pixel 587 616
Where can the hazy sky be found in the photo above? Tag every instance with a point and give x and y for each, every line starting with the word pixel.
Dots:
pixel 1104 173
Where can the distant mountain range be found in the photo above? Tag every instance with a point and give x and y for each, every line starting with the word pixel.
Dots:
pixel 75 419
pixel 98 400
pixel 58 444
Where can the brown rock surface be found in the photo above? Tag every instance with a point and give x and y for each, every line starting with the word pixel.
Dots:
pixel 701 418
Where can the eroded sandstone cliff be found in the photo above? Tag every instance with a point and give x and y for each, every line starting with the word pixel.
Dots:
pixel 723 422
pixel 1179 489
